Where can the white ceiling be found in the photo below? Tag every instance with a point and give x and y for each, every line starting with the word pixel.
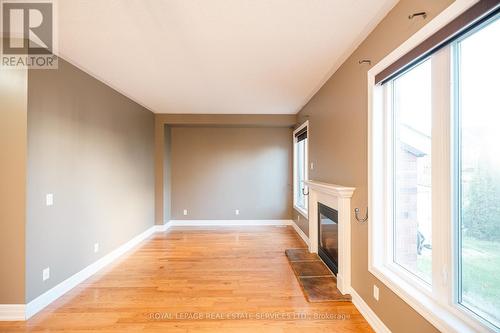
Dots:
pixel 215 56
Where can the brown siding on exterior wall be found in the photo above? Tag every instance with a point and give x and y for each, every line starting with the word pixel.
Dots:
pixel 93 149
pixel 337 117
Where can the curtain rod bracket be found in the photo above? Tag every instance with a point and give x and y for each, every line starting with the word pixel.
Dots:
pixel 423 14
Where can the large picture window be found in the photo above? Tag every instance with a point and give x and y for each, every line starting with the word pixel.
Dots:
pixel 435 181
pixel 300 174
pixel 412 124
pixel 478 176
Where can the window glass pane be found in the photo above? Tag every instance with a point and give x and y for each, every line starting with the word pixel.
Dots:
pixel 301 155
pixel 412 171
pixel 479 109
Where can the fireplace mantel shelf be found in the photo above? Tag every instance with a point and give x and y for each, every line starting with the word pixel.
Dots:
pixel 338 190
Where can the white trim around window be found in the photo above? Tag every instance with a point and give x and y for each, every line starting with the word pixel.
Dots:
pixel 436 302
pixel 296 186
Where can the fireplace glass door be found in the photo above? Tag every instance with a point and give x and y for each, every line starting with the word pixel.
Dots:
pixel 328 236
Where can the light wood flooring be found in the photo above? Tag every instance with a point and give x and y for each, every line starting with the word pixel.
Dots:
pixel 234 279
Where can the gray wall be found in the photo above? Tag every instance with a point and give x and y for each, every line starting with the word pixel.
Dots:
pixel 94 150
pixel 167 175
pixel 216 170
pixel 337 117
pixel 163 122
pixel 13 113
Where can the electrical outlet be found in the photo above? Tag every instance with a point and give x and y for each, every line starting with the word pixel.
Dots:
pixel 375 292
pixel 96 247
pixel 49 199
pixel 312 165
pixel 298 218
pixel 185 211
pixel 46 274
pixel 237 212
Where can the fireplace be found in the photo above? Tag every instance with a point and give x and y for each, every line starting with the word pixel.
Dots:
pixel 328 236
pixel 337 201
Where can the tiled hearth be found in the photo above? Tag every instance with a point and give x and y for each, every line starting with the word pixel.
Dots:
pixel 317 281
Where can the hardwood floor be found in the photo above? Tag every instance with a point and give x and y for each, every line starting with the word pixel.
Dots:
pixel 235 279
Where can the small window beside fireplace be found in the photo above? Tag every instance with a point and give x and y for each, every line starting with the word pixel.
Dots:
pixel 300 169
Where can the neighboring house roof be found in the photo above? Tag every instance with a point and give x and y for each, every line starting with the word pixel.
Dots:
pixel 414 141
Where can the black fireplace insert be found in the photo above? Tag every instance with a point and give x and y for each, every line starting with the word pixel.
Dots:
pixel 328 236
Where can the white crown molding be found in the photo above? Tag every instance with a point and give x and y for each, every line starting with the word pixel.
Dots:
pixel 375 322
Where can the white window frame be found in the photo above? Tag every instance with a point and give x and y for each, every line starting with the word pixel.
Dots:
pixel 303 212
pixel 437 303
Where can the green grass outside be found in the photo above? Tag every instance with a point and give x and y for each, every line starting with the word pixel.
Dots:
pixel 480 275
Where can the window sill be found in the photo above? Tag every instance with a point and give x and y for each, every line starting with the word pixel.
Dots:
pixel 302 211
pixel 445 318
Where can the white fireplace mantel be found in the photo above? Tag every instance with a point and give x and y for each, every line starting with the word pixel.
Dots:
pixel 339 198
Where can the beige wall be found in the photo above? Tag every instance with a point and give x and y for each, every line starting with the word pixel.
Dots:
pixel 163 122
pixel 161 180
pixel 216 170
pixel 13 113
pixel 93 149
pixel 167 174
pixel 337 117
pixel 260 120
pixel 301 221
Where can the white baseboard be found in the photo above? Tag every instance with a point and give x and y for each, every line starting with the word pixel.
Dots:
pixel 12 312
pixel 198 223
pixel 300 233
pixel 163 227
pixel 51 295
pixel 370 316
